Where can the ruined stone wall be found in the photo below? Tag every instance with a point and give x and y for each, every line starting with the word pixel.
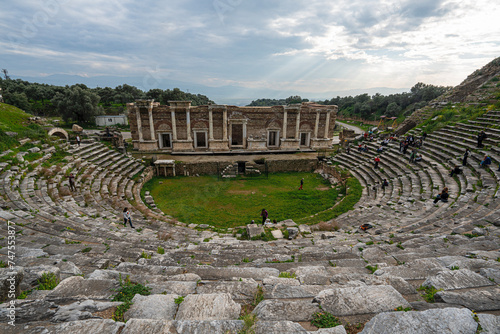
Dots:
pixel 257 122
pixel 274 166
pixel 303 165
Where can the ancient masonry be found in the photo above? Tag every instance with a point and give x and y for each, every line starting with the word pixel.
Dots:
pixel 181 127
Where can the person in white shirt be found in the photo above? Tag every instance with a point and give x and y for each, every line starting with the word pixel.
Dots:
pixel 126 217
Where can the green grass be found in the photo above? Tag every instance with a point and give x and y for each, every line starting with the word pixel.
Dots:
pixel 230 203
pixel 125 294
pixel 325 320
pixel 428 293
pixel 15 120
pixel 285 274
pixel 354 193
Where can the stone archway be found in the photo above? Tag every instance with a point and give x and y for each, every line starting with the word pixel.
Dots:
pixel 58 132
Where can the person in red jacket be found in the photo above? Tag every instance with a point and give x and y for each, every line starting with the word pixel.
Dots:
pixel 377 160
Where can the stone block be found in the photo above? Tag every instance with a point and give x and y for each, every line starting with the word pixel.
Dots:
pixel 478 300
pixel 360 300
pixel 81 310
pixel 448 320
pixel 76 128
pixel 277 234
pixel 457 279
pixel 202 327
pixel 149 326
pixel 489 323
pixel 244 290
pixel 107 326
pixel 161 307
pixel 254 230
pixel 304 228
pixel 279 327
pixel 491 273
pixel 280 280
pixel 173 287
pixel 275 310
pixel 217 306
pixel 28 311
pixel 78 288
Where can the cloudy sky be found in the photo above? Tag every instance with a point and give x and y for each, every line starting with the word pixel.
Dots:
pixel 313 47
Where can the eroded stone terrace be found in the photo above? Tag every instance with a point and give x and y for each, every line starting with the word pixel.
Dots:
pixel 360 277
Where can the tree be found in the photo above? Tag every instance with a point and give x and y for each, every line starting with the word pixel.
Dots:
pixel 77 104
pixel 392 110
pixel 18 100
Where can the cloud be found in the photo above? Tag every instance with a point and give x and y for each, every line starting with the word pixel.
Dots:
pixel 307 45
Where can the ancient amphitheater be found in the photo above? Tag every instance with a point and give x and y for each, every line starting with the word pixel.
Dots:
pixel 203 282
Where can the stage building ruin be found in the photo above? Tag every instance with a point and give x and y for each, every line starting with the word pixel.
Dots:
pixel 180 127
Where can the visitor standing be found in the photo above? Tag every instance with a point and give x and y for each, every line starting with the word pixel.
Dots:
pixel 385 184
pixel 264 215
pixel 71 179
pixel 443 196
pixel 127 217
pixel 466 155
pixel 377 160
pixel 480 137
pixel 301 184
pixel 413 155
pixel 78 140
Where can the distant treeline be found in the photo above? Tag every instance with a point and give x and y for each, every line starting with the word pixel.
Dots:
pixel 79 103
pixel 370 107
pixel 274 102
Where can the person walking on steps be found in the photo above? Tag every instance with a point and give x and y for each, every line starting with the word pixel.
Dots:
pixel 78 140
pixel 385 184
pixel 301 184
pixel 466 155
pixel 127 217
pixel 264 215
pixel 71 179
pixel 377 160
pixel 443 196
pixel 480 137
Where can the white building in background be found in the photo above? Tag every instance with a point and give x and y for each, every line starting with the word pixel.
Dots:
pixel 110 120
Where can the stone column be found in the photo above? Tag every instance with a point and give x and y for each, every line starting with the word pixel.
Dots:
pixel 316 125
pixel 285 124
pixel 210 124
pixel 151 124
pixel 174 127
pixel 297 127
pixel 224 124
pixel 188 124
pixel 139 123
pixel 327 125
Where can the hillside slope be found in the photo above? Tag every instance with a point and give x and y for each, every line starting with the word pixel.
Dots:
pixel 479 90
pixel 14 124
